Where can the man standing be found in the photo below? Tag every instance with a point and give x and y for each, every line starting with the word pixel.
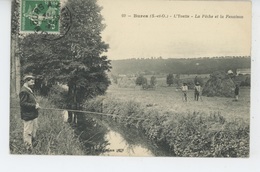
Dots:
pixel 184 89
pixel 236 92
pixel 197 91
pixel 29 111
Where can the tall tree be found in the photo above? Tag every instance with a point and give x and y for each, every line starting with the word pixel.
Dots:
pixel 169 79
pixel 75 58
pixel 153 81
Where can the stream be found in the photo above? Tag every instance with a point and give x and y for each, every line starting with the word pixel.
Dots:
pixel 104 137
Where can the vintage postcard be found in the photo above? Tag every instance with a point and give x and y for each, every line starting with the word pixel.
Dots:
pixel 139 78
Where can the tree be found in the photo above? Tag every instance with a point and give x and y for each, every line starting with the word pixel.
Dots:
pixel 75 58
pixel 169 79
pixel 177 79
pixel 141 80
pixel 198 80
pixel 153 81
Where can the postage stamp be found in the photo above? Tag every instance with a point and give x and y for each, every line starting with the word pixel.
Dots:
pixel 37 16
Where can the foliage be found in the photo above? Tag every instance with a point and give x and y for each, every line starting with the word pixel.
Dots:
pixel 91 134
pixel 74 59
pixel 199 80
pixel 126 82
pixel 59 96
pixel 141 80
pixel 177 79
pixel 15 17
pixel 169 79
pixel 114 78
pixel 247 82
pixel 184 135
pixel 242 80
pixel 153 81
pixel 182 66
pixel 54 136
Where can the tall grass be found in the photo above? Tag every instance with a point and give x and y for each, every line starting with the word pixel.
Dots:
pixel 193 134
pixel 54 136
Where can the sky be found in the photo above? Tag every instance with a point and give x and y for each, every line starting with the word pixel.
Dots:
pixel 174 36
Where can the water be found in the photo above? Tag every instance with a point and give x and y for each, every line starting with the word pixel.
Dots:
pixel 119 147
pixel 104 137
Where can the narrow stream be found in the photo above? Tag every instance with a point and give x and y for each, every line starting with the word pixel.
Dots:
pixel 119 147
pixel 104 137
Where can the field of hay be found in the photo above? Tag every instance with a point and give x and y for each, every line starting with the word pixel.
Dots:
pixel 170 99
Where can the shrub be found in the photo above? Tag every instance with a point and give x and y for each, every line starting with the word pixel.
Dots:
pixel 141 80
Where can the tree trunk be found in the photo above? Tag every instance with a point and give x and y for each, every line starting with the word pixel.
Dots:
pixel 15 77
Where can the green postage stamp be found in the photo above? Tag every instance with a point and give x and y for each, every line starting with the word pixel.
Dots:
pixel 37 16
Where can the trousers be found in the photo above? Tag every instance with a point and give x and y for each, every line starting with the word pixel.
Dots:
pixel 29 131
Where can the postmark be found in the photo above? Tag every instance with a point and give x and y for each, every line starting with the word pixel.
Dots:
pixel 38 16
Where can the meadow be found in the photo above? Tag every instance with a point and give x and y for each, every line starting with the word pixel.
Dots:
pixel 210 127
pixel 171 99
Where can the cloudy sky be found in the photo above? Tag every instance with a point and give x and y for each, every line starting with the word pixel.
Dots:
pixel 174 36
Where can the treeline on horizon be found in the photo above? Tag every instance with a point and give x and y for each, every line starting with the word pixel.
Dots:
pixel 203 65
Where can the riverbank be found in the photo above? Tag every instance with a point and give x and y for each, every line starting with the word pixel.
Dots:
pixel 179 134
pixel 193 134
pixel 55 137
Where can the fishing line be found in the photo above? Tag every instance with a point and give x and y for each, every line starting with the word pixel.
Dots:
pixel 82 111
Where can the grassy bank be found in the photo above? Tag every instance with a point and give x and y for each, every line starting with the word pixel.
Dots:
pixel 193 134
pixel 54 136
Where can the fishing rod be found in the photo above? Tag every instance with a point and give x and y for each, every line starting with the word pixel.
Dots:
pixel 83 111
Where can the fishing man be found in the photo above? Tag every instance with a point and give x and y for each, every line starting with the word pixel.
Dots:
pixel 29 111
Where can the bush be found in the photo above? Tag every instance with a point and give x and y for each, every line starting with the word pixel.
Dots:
pixel 58 96
pixel 141 80
pixel 126 82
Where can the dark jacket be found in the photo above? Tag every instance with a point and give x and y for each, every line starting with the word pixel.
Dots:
pixel 28 104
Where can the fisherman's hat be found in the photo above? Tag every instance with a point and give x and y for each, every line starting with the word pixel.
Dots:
pixel 27 77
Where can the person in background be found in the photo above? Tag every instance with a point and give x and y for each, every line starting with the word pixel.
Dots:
pixel 184 89
pixel 29 111
pixel 197 91
pixel 236 92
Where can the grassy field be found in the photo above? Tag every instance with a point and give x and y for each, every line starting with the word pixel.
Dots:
pixel 211 127
pixel 170 99
pixel 160 114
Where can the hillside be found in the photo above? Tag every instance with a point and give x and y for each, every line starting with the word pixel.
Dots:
pixel 182 66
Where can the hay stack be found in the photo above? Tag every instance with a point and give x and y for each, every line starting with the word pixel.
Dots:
pixel 220 84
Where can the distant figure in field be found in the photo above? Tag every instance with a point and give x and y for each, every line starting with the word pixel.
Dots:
pixel 184 89
pixel 236 92
pixel 197 91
